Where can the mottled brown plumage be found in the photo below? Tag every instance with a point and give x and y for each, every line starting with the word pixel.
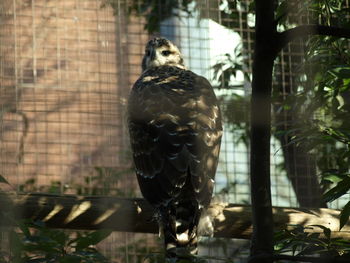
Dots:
pixel 175 132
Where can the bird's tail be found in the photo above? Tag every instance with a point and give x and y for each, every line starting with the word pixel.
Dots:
pixel 179 223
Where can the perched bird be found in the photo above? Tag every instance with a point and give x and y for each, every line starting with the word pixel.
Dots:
pixel 175 132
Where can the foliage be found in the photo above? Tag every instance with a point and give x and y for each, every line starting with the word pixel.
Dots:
pixel 322 102
pixel 236 111
pixel 342 186
pixel 299 241
pixel 228 66
pixel 3 180
pixel 33 242
pixel 104 181
pixel 153 11
pixel 150 254
pixel 232 10
pixel 320 99
pixel 236 106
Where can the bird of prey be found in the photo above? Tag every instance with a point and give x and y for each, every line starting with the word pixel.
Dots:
pixel 175 133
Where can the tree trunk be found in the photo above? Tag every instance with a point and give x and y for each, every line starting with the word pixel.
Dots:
pixel 264 55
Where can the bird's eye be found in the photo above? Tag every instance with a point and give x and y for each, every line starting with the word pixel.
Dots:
pixel 148 53
pixel 166 53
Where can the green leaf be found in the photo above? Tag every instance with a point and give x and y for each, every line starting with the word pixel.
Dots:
pixel 3 180
pixel 282 11
pixel 58 236
pixel 341 72
pixel 326 230
pixel 344 215
pixel 24 227
pixel 92 238
pixel 251 7
pixel 333 177
pixel 339 190
pixel 346 83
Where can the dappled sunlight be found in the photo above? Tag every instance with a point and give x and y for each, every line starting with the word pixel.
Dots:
pixel 77 210
pixel 107 214
pixel 53 212
pixel 308 217
pixel 134 214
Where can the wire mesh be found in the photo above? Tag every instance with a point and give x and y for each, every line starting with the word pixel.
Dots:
pixel 66 68
pixel 66 96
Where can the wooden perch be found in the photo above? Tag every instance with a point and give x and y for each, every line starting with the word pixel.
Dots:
pixel 136 215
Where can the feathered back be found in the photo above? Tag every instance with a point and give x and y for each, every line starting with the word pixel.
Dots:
pixel 175 132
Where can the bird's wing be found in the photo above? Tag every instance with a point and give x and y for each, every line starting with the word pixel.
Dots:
pixel 206 138
pixel 175 129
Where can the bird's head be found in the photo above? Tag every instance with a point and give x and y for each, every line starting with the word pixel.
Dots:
pixel 161 52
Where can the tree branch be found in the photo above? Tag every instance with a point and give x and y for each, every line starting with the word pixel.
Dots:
pixel 310 30
pixel 136 215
